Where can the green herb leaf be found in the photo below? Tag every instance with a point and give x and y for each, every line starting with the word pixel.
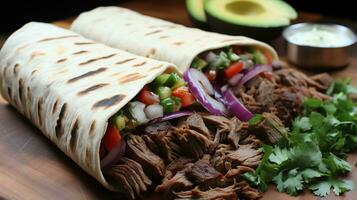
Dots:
pixel 323 188
pixel 309 174
pixel 337 165
pixel 313 154
pixel 306 155
pixel 293 184
pixel 302 123
pixel 279 155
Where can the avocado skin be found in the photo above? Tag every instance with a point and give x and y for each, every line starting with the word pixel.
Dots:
pixel 259 33
pixel 197 23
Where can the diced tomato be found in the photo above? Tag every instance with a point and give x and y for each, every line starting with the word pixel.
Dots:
pixel 102 151
pixel 111 138
pixel 211 75
pixel 184 95
pixel 233 69
pixel 147 97
pixel 268 57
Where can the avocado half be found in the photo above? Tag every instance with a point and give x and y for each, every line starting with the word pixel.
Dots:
pixel 196 13
pixel 259 19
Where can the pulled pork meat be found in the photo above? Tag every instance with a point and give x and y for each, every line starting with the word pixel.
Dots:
pixel 227 193
pixel 203 156
pixel 283 92
pixel 152 164
pixel 270 128
pixel 130 176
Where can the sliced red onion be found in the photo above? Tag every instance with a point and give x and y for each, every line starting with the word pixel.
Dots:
pixel 198 84
pixel 224 88
pixel 154 111
pixel 236 107
pixel 170 116
pixel 114 155
pixel 218 94
pixel 254 72
pixel 235 79
pixel 203 80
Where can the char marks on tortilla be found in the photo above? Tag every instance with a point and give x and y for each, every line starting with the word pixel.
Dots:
pixel 96 59
pixel 87 74
pixel 58 38
pixel 92 88
pixel 108 102
pixel 69 87
pixel 173 42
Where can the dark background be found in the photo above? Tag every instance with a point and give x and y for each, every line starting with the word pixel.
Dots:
pixel 15 13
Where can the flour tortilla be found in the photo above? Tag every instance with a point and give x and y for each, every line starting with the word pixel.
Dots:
pixel 69 87
pixel 155 38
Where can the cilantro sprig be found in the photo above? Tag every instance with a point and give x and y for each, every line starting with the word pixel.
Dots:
pixel 313 156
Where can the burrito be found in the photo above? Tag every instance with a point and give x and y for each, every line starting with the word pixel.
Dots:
pixel 215 65
pixel 88 98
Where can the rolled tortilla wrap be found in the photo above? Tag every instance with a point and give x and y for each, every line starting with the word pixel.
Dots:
pixel 69 87
pixel 155 38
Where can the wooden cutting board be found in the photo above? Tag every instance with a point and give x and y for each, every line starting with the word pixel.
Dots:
pixel 31 168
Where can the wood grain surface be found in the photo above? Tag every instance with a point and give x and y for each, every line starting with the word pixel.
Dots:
pixel 33 168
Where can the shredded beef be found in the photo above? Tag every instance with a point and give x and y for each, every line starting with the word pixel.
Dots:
pixel 227 193
pixel 158 127
pixel 250 103
pixel 177 182
pixel 226 130
pixel 151 144
pixel 265 93
pixel 179 164
pixel 196 123
pixel 122 182
pixel 269 127
pixel 232 176
pixel 238 171
pixel 137 150
pixel 245 155
pixel 167 145
pixel 324 79
pixel 219 158
pixel 203 173
pixel 129 176
pixel 137 168
pixel 235 132
pixel 193 143
pixel 252 140
pixel 313 93
pixel 202 156
pixel 288 105
pixel 247 191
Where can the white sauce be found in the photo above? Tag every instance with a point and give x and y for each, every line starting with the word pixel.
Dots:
pixel 319 38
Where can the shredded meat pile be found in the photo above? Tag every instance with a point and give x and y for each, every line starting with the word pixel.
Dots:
pixel 282 92
pixel 203 156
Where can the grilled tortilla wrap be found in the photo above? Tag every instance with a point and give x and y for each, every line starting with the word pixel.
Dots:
pixel 155 38
pixel 69 87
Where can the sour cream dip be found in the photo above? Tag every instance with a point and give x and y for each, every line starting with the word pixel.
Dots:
pixel 319 36
pixel 322 46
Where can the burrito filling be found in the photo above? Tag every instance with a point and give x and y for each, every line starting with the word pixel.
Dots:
pixel 162 140
pixel 163 99
pixel 218 75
